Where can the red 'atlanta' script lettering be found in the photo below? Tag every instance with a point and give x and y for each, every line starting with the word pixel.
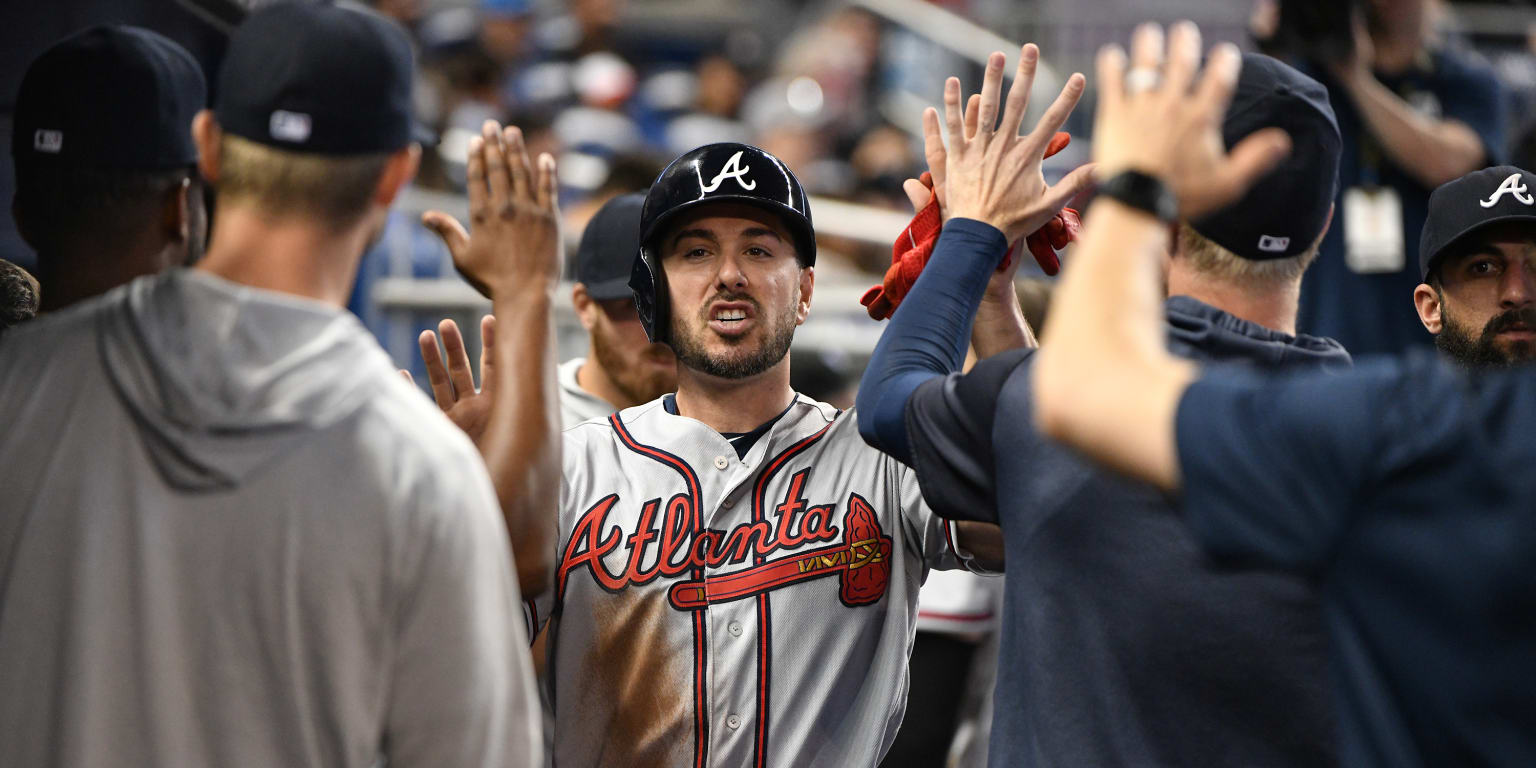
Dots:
pixel 664 547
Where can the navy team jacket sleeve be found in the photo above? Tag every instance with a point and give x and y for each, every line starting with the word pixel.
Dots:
pixel 1275 470
pixel 929 332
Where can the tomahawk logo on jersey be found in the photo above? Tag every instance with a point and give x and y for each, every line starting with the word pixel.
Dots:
pixel 711 610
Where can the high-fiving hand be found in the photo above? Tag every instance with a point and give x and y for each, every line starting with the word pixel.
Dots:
pixel 990 172
pixel 514 212
pixel 1149 120
pixel 453 385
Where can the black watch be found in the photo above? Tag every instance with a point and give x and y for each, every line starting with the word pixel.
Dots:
pixel 1144 192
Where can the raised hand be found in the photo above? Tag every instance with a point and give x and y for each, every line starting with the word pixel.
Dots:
pixel 1150 120
pixel 453 386
pixel 990 172
pixel 514 213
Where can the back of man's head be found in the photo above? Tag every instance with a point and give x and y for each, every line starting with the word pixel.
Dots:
pixel 1272 233
pixel 313 102
pixel 104 154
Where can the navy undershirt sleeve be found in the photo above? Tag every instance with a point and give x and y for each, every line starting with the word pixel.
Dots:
pixel 950 422
pixel 929 332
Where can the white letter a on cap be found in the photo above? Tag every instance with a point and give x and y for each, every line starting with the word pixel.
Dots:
pixel 733 170
pixel 1511 185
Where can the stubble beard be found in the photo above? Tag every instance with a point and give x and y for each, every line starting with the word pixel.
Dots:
pixel 639 382
pixel 691 352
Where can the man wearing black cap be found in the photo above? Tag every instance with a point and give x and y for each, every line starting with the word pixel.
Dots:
pixel 106 188
pixel 1477 259
pixel 623 368
pixel 1121 644
pixel 231 534
pixel 1401 488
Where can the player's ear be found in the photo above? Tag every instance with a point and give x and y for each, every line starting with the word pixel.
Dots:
pixel 398 172
pixel 807 285
pixel 586 308
pixel 207 135
pixel 1427 301
pixel 175 214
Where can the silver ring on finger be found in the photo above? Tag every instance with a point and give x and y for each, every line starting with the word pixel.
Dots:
pixel 1141 79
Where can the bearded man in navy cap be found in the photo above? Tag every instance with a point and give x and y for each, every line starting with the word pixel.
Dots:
pixel 1121 644
pixel 1478 262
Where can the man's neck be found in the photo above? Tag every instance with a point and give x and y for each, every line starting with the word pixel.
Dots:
pixel 1273 308
pixel 289 255
pixel 70 277
pixel 734 405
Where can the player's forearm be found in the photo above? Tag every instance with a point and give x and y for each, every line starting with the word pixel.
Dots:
pixel 1434 151
pixel 1104 383
pixel 1000 324
pixel 927 335
pixel 523 438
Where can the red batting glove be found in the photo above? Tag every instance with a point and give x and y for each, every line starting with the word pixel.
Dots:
pixel 914 246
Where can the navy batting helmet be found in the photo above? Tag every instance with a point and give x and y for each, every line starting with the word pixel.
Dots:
pixel 714 173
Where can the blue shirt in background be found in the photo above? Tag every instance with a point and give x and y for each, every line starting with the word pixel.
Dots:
pixel 1373 313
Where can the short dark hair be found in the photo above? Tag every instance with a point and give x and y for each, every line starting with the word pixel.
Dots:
pixel 62 204
pixel 18 295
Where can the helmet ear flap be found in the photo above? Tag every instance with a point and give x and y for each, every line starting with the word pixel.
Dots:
pixel 649 285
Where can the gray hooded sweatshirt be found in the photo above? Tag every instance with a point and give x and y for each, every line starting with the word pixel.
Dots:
pixel 231 535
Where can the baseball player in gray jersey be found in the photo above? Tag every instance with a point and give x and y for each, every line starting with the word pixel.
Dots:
pixel 738 573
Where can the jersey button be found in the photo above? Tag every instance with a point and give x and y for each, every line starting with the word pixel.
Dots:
pixel 722 462
pixel 732 722
pixel 735 628
pixel 728 503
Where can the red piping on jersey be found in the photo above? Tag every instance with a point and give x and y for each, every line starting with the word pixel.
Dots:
pixel 760 743
pixel 949 539
pixel 700 655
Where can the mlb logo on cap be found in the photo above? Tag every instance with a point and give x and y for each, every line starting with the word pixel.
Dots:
pixel 48 141
pixel 1272 244
pixel 289 126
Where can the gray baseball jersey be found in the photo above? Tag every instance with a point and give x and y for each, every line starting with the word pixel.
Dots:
pixel 577 404
pixel 711 610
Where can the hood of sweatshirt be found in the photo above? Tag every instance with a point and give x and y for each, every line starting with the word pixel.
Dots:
pixel 1200 331
pixel 222 378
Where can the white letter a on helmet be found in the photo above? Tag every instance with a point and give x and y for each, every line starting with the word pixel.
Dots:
pixel 733 170
pixel 1511 185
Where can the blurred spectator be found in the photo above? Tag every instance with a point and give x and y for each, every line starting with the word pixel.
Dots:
pixel 18 295
pixel 1414 113
pixel 718 89
pixel 505 26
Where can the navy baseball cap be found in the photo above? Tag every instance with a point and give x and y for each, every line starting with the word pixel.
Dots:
pixel 1283 214
pixel 608 247
pixel 321 78
pixel 1461 207
pixel 109 97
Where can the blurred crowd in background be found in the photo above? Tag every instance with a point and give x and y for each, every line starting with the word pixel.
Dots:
pixel 615 88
